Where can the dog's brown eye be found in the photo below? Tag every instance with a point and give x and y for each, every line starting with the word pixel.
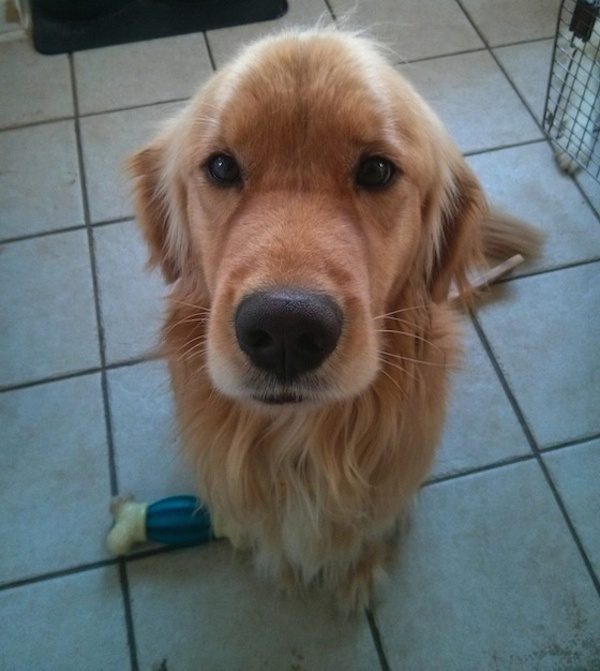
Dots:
pixel 223 170
pixel 374 172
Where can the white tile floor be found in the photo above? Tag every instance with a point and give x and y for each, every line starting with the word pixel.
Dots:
pixel 500 568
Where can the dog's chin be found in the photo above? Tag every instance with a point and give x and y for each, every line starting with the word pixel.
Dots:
pixel 313 391
pixel 270 400
pixel 278 399
pixel 266 399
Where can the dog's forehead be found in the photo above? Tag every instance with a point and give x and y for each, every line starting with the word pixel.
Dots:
pixel 303 86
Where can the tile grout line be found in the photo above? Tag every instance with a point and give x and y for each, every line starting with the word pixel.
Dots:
pixel 87 115
pixel 49 380
pixel 491 150
pixel 73 570
pixel 108 222
pixel 424 59
pixel 330 10
pixel 68 229
pixel 211 58
pixel 377 640
pixel 537 453
pixel 511 460
pixel 91 566
pixel 130 632
pixel 540 126
pixel 42 234
pixel 516 43
pixel 570 443
pixel 129 108
pixel 478 469
pixel 129 625
pixel 78 373
pixel 33 124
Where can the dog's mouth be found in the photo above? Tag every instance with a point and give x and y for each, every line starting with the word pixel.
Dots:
pixel 265 391
pixel 278 399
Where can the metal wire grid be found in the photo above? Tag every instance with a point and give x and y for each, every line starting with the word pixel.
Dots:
pixel 572 112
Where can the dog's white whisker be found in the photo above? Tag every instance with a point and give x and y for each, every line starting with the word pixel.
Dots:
pixel 200 308
pixel 394 312
pixel 394 382
pixel 190 346
pixel 419 361
pixel 393 364
pixel 416 335
pixel 190 319
pixel 409 335
pixel 191 354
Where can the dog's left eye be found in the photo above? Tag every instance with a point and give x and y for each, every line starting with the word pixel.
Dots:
pixel 223 170
pixel 374 172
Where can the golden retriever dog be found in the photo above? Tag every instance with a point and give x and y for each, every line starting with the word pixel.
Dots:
pixel 311 213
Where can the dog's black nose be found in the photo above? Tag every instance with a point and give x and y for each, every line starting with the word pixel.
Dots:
pixel 288 331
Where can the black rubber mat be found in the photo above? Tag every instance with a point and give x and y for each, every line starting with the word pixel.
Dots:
pixel 60 26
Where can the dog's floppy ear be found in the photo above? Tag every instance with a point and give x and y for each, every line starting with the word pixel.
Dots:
pixel 160 207
pixel 459 207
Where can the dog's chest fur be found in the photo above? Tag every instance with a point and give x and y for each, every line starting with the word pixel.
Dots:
pixel 308 489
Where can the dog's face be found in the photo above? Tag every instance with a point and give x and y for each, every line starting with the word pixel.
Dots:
pixel 302 192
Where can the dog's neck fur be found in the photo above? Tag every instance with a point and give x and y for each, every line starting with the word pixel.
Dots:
pixel 357 454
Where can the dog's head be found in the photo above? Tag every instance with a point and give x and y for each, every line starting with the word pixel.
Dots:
pixel 301 193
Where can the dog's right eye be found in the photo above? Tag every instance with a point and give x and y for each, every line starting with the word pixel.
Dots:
pixel 374 172
pixel 223 170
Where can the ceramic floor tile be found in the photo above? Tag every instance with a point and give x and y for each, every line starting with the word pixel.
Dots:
pixel 505 21
pixel 591 187
pixel 215 614
pixel 226 42
pixel 46 308
pixel 69 623
pixel 108 140
pixel 490 578
pixel 576 470
pixel 39 86
pixel 474 100
pixel 150 464
pixel 528 66
pixel 481 427
pixel 544 333
pixel 39 180
pixel 53 450
pixel 526 182
pixel 412 28
pixel 141 72
pixel 130 296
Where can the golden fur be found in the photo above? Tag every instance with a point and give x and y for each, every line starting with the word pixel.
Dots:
pixel 315 488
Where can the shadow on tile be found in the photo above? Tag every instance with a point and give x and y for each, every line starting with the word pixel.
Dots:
pixel 490 578
pixel 215 614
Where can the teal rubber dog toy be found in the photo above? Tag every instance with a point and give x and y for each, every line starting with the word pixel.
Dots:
pixel 176 520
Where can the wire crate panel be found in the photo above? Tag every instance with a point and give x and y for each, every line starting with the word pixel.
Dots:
pixel 572 113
